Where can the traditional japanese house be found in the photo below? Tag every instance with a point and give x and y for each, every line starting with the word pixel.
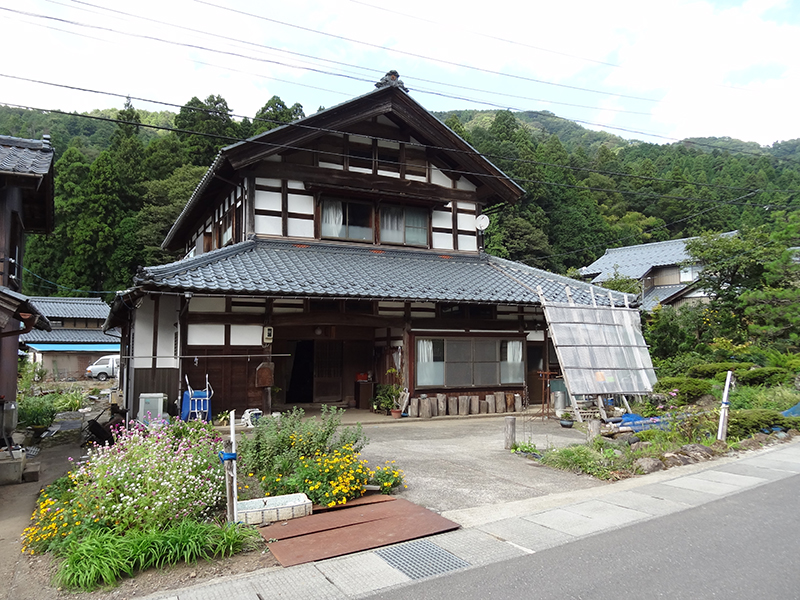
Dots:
pixel 26 205
pixel 333 249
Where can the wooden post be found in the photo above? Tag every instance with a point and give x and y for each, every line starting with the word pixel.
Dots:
pixel 510 432
pixel 484 407
pixel 499 402
pixel 434 407
pixel 230 491
pixel 490 404
pixel 517 403
pixel 414 410
pixel 509 402
pixel 441 404
pixel 474 405
pixel 594 429
pixel 425 408
pixel 463 405
pixel 452 405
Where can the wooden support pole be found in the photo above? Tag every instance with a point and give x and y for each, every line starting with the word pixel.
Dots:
pixel 510 431
pixel 484 407
pixel 594 429
pixel 474 405
pixel 509 402
pixel 463 405
pixel 434 407
pixel 517 403
pixel 490 404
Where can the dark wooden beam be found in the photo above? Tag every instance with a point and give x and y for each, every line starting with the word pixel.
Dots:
pixel 324 178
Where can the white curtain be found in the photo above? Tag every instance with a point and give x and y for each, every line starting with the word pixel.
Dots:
pixel 332 219
pixel 512 370
pixel 514 351
pixel 428 371
pixel 392 224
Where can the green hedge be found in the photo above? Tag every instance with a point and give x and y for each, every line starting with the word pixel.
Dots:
pixel 764 376
pixel 684 390
pixel 744 423
pixel 709 370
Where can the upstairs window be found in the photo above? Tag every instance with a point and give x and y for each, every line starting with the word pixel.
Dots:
pixel 346 220
pixel 404 225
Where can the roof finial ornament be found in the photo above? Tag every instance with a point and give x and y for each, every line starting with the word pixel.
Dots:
pixel 391 78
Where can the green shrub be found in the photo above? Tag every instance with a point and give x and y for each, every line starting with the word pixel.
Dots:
pixel 679 364
pixel 777 398
pixel 709 370
pixel 37 411
pixel 684 390
pixel 764 376
pixel 744 423
pixel 581 459
pixel 389 477
pixel 272 453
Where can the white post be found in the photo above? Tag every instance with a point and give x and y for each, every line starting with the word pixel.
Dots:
pixel 232 421
pixel 722 431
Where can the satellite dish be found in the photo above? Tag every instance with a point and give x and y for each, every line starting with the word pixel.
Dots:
pixel 481 222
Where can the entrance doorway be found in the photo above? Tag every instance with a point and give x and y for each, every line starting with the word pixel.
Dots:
pixel 316 372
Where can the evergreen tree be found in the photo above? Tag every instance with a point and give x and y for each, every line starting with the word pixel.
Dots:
pixel 205 127
pixel 274 114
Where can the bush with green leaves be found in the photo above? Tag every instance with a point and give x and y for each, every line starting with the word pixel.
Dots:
pixel 744 423
pixel 679 364
pixel 387 477
pixel 764 376
pixel 710 370
pixel 683 390
pixel 777 398
pixel 600 463
pixel 274 448
pixel 37 411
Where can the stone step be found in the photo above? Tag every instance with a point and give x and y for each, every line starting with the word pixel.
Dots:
pixel 31 471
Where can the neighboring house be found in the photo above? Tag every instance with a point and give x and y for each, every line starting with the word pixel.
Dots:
pixel 26 206
pixel 77 338
pixel 347 243
pixel 659 267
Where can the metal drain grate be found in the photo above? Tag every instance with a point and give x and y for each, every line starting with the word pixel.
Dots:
pixel 421 559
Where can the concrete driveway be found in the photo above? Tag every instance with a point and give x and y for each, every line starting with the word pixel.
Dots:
pixel 455 463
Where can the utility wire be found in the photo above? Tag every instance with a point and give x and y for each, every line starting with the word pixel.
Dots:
pixel 351 77
pixel 341 155
pixel 490 157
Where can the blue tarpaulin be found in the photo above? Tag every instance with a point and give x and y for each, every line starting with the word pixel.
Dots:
pixel 792 412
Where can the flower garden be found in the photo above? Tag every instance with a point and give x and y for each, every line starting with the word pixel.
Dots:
pixel 156 497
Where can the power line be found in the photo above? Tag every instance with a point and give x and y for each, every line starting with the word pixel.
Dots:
pixel 442 148
pixel 422 56
pixel 350 65
pixel 345 76
pixel 341 155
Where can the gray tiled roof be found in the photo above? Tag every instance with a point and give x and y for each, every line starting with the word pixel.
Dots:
pixel 659 294
pixel 70 336
pixel 636 261
pixel 71 308
pixel 18 155
pixel 281 268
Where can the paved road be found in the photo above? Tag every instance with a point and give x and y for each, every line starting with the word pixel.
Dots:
pixel 743 546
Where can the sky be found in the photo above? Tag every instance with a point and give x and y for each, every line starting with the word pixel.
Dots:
pixel 652 71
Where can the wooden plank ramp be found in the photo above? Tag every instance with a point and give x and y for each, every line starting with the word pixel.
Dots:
pixel 349 530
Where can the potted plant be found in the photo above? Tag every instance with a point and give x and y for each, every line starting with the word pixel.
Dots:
pixel 387 395
pixel 566 419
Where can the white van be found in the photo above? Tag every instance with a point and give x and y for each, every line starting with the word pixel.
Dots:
pixel 104 367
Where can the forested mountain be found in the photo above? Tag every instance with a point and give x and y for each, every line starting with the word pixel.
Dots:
pixel 120 185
